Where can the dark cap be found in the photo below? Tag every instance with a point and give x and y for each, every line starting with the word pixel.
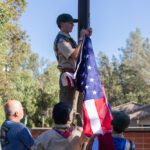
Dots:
pixel 65 18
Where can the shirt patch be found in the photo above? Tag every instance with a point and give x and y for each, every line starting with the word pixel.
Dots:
pixel 61 40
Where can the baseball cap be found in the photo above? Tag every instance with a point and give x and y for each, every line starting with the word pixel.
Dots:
pixel 65 18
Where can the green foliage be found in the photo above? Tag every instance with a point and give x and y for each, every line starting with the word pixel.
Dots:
pixel 2 116
pixel 137 54
pixel 34 81
pixel 47 94
pixel 24 77
pixel 128 79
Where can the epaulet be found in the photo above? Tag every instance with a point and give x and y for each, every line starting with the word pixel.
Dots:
pixel 62 37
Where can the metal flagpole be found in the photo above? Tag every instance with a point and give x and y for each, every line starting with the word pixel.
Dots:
pixel 83 23
pixel 83 15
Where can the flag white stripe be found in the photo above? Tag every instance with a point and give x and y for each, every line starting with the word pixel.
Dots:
pixel 80 59
pixel 93 116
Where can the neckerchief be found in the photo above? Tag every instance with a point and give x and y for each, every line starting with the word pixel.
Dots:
pixel 65 133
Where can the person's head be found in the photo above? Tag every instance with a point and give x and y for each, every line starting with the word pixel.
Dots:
pixel 120 122
pixel 61 113
pixel 65 22
pixel 13 110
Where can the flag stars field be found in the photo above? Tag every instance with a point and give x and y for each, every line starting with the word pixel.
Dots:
pixel 83 74
pixel 89 67
pixel 92 80
pixel 82 83
pixel 94 92
pixel 86 86
pixel 87 56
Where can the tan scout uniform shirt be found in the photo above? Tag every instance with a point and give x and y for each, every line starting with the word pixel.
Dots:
pixel 51 140
pixel 63 52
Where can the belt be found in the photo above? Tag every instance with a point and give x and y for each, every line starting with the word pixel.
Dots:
pixel 67 70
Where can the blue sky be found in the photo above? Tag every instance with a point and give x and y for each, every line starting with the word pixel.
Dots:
pixel 111 20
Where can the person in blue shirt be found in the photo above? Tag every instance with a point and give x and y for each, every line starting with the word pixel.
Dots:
pixel 14 134
pixel 120 123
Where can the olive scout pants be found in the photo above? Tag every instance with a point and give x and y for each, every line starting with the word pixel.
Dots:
pixel 71 96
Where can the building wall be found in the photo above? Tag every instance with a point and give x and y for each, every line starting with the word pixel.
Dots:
pixel 133 123
pixel 141 122
pixel 141 139
pixel 37 131
pixel 139 135
pixel 145 121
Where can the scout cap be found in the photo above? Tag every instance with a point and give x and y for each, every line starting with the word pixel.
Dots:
pixel 65 18
pixel 121 121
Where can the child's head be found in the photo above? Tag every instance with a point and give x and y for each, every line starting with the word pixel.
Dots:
pixel 61 113
pixel 121 121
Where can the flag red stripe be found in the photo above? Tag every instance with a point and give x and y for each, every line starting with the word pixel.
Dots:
pixel 104 114
pixel 68 81
pixel 87 125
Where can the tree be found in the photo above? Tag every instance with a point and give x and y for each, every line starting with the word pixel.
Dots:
pixel 28 79
pixel 47 94
pixel 137 53
pixel 8 32
pixel 105 71
pixel 127 79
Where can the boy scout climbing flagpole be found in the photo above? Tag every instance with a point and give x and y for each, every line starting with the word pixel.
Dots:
pixel 67 52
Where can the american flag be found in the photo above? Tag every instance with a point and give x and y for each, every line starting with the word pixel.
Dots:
pixel 96 113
